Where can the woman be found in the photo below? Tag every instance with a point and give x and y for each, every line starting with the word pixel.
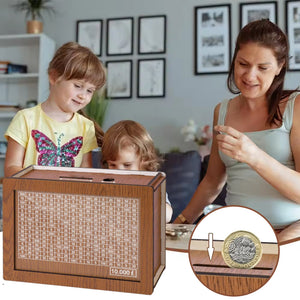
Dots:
pixel 256 144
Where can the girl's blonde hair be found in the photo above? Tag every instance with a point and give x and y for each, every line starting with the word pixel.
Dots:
pixel 130 133
pixel 73 61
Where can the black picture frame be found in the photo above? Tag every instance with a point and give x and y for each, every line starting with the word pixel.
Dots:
pixel 152 34
pixel 212 39
pixel 292 17
pixel 151 78
pixel 119 79
pixel 89 34
pixel 119 36
pixel 252 11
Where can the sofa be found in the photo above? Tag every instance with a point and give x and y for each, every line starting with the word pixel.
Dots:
pixel 184 171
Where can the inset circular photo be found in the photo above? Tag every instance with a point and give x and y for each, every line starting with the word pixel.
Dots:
pixel 233 251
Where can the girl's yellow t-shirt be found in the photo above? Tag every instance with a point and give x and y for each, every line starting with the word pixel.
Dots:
pixel 49 142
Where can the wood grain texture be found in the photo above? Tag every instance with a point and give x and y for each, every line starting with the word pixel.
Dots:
pixel 151 251
pixel 218 277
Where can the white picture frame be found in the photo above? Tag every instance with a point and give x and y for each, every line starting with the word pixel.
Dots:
pixel 212 39
pixel 119 36
pixel 119 79
pixel 89 34
pixel 293 32
pixel 252 11
pixel 151 78
pixel 152 34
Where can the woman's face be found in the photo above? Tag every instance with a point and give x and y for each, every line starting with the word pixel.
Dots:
pixel 254 70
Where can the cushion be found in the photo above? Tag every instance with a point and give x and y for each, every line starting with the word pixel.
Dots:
pixel 183 173
pixel 96 158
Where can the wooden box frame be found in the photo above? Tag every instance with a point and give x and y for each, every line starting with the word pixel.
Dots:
pixel 147 187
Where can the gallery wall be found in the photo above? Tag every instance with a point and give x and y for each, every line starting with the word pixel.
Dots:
pixel 187 96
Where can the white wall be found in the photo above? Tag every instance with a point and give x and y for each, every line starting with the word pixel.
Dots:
pixel 187 96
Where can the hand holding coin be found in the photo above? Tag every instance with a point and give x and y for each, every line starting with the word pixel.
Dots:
pixel 236 144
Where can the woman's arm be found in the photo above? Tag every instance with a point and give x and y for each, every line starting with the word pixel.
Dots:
pixel 14 158
pixel 238 146
pixel 210 186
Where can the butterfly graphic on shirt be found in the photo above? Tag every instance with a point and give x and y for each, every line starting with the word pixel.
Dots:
pixel 52 155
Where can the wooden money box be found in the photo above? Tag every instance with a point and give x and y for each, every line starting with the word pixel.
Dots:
pixel 217 276
pixel 90 228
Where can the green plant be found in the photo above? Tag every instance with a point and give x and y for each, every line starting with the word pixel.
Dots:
pixel 34 8
pixel 97 108
pixel 175 150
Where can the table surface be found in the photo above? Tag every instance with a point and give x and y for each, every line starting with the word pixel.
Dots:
pixel 178 236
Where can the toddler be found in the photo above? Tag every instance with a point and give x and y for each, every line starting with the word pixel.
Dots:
pixel 128 146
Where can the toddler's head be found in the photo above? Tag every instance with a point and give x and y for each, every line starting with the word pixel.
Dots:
pixel 127 145
pixel 73 61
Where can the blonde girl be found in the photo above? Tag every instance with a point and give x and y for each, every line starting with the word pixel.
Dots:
pixel 53 133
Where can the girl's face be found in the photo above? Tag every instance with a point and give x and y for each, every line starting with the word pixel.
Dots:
pixel 71 95
pixel 254 70
pixel 126 160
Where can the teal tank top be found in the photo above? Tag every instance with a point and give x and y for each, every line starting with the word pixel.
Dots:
pixel 245 187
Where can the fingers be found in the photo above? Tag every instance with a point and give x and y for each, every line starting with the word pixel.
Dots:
pixel 221 129
pixel 229 140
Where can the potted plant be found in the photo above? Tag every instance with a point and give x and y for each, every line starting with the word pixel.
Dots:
pixel 34 9
pixel 97 107
pixel 96 110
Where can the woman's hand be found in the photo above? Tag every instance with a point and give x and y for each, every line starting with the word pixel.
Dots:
pixel 236 145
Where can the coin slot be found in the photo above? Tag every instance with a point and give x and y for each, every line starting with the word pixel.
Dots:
pixel 111 180
pixel 73 178
pixel 226 267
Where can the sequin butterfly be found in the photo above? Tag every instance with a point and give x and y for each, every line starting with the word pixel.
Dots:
pixel 52 155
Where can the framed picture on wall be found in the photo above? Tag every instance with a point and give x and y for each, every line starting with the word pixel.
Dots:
pixel 119 36
pixel 151 78
pixel 152 34
pixel 89 34
pixel 119 79
pixel 212 39
pixel 293 31
pixel 253 11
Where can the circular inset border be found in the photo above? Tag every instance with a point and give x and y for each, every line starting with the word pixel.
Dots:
pixel 210 266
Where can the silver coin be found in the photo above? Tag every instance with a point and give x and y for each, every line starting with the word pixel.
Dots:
pixel 242 249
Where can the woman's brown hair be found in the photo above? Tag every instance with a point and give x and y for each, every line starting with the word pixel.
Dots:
pixel 268 35
pixel 130 133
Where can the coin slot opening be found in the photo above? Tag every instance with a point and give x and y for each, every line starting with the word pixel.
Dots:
pixel 74 178
pixel 222 267
pixel 111 180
